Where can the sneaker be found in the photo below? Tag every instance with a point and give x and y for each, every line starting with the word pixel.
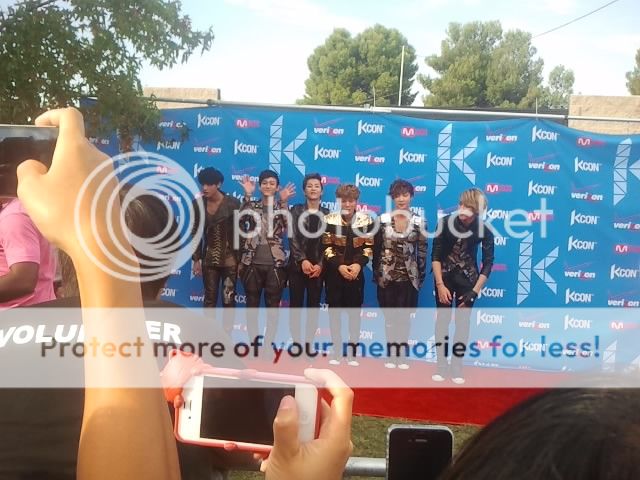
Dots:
pixel 389 365
pixel 334 362
pixel 436 377
pixel 403 366
pixel 458 380
pixel 353 363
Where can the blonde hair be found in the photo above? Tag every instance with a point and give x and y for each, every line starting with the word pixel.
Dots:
pixel 475 200
pixel 348 191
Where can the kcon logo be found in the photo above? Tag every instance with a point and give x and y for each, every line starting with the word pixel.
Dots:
pixel 619 272
pixel 239 147
pixel 539 189
pixel 577 297
pixel 583 166
pixel 362 181
pixel 326 153
pixel 540 134
pixel 205 121
pixel 576 244
pixel 370 128
pixel 498 161
pixel 488 318
pixel 410 157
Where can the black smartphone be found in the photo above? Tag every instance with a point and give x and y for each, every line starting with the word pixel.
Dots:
pixel 418 451
pixel 19 143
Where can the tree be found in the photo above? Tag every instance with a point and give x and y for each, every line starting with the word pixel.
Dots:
pixel 633 77
pixel 54 53
pixel 560 88
pixel 347 70
pixel 479 66
pixel 462 65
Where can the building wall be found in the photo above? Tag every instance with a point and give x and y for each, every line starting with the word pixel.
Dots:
pixel 182 93
pixel 602 106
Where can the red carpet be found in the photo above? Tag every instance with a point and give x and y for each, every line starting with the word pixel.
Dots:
pixel 394 393
pixel 476 406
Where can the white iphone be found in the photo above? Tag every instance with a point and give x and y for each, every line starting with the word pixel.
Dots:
pixel 237 412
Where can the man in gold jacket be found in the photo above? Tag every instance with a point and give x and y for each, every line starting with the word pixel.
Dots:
pixel 348 245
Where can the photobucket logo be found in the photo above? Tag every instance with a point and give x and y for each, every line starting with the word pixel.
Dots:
pixel 158 255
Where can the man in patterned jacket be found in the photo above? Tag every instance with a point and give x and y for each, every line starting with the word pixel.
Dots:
pixel 263 255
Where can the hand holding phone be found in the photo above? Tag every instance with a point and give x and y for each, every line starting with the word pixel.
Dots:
pixel 19 143
pixel 418 451
pixel 323 458
pixel 235 409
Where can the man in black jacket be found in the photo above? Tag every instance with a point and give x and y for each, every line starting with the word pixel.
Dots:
pixel 306 259
pixel 214 257
pixel 456 275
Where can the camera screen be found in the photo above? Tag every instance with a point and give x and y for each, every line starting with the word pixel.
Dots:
pixel 20 143
pixel 237 410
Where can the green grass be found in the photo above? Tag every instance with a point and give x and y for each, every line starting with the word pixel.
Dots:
pixel 369 439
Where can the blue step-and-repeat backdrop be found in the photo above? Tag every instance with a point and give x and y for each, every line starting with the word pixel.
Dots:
pixel 564 203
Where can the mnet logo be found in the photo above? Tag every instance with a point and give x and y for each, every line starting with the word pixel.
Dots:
pixel 410 157
pixel 239 147
pixel 370 128
pixel 498 161
pixel 622 249
pixel 326 153
pixel 583 166
pixel 539 189
pixel 326 180
pixel 362 181
pixel 501 138
pixel 582 219
pixel 488 318
pixel 494 188
pixel 585 245
pixel 411 132
pixel 168 292
pixel 168 145
pixel 540 134
pixel 576 323
pixel 588 142
pixel 577 297
pixel 205 121
pixel 619 272
pixel 492 292
pixel 246 123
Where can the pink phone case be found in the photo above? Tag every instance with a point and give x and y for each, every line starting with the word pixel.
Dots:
pixel 247 374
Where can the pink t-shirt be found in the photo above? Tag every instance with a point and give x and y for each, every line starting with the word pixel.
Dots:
pixel 20 241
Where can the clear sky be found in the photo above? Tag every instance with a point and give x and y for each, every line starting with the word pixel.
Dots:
pixel 261 47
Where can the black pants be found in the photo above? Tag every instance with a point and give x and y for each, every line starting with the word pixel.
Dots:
pixel 399 300
pixel 298 284
pixel 343 294
pixel 256 279
pixel 213 278
pixel 458 285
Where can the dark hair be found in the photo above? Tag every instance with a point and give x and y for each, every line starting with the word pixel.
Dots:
pixel 146 217
pixel 398 187
pixel 268 174
pixel 210 176
pixel 311 176
pixel 564 434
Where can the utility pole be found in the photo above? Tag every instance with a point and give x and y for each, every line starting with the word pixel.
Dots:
pixel 401 73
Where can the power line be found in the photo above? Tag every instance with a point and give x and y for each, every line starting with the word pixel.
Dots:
pixel 575 19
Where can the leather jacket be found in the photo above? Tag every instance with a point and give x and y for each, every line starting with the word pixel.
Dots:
pixel 445 240
pixel 300 244
pixel 218 231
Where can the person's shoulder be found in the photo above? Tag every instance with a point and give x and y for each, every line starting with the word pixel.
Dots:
pixel 232 201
